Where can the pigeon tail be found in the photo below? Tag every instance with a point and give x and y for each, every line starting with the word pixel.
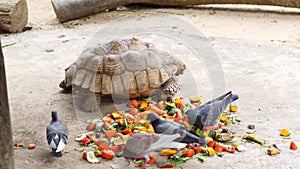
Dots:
pixel 163 140
pixel 54 116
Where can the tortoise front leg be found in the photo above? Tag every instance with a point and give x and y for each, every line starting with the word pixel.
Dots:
pixel 91 103
pixel 167 90
pixel 87 101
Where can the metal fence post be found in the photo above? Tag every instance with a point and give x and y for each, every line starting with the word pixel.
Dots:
pixel 6 142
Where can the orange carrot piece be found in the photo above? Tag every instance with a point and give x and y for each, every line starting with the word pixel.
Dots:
pixel 293 146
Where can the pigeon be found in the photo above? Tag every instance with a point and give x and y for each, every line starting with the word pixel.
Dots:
pixel 169 128
pixel 209 113
pixel 140 144
pixel 57 135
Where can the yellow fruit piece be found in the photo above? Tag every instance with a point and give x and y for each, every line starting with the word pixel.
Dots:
pixel 273 151
pixel 178 100
pixel 144 115
pixel 210 151
pixel 167 152
pixel 115 115
pixel 285 132
pixel 118 142
pixel 232 108
pixel 150 130
pixel 223 118
pixel 195 99
pixel 208 138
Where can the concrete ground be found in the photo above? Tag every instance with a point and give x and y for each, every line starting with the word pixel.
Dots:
pixel 255 54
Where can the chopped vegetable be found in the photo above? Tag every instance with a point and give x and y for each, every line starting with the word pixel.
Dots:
pixel 134 103
pixel 116 115
pixel 200 157
pixel 229 150
pixel 166 165
pixel 167 152
pixel 119 153
pixel 188 153
pixel 175 159
pixel 90 156
pixel 18 144
pixel 211 144
pixel 219 148
pixel 110 133
pixel 158 111
pixel 199 150
pixel 103 146
pixel 85 141
pixel 161 105
pixel 241 148
pixel 253 137
pixel 251 126
pixel 223 118
pixel 79 149
pixel 133 111
pixel 126 131
pixel 90 127
pixel 273 150
pixel 92 138
pixel 152 160
pixel 138 162
pixel 108 154
pixel 196 100
pixel 79 137
pixel 210 151
pixel 84 155
pixel 114 148
pixel 31 146
pixel 144 105
pixel 232 108
pixel 293 146
pixel 102 140
pixel 285 132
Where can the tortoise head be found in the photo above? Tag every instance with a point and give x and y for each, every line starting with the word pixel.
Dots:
pixel 180 66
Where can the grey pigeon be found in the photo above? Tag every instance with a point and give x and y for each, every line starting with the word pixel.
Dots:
pixel 140 144
pixel 170 128
pixel 209 113
pixel 57 135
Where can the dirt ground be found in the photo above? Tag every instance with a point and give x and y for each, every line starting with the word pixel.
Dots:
pixel 259 54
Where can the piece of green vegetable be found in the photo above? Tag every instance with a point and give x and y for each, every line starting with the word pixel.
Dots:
pixel 79 149
pixel 7 45
pixel 201 157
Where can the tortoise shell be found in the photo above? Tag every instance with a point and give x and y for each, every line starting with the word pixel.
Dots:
pixel 125 68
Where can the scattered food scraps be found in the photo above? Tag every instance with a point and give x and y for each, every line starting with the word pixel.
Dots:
pixel 293 146
pixel 284 132
pixel 31 146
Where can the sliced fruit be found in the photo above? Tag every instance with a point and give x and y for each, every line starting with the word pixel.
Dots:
pixel 108 154
pixel 188 152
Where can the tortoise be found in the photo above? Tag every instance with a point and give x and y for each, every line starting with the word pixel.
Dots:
pixel 124 68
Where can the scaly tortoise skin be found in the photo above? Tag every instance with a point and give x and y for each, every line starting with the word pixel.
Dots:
pixel 127 68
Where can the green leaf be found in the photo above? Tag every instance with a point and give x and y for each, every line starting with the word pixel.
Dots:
pixel 119 153
pixel 200 157
pixel 138 162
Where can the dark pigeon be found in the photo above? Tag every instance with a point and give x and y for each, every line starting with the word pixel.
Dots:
pixel 170 128
pixel 209 113
pixel 57 135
